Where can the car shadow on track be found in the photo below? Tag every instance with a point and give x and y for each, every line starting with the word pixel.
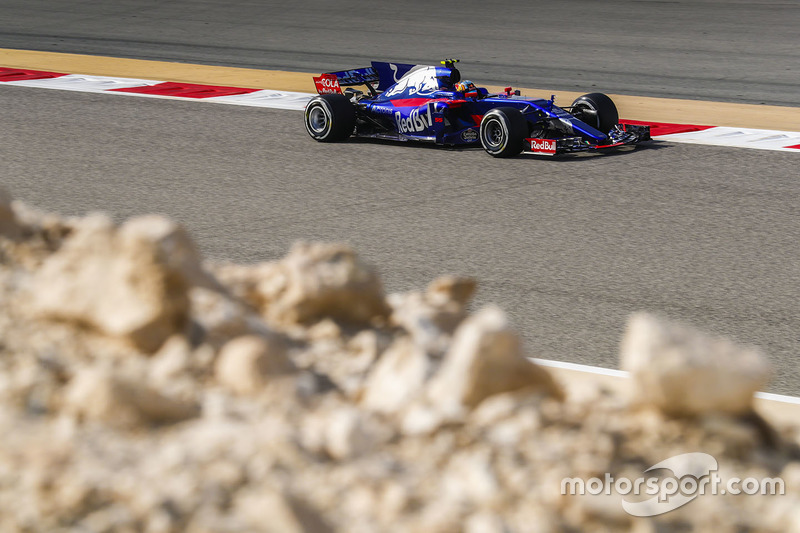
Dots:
pixel 581 156
pixel 577 156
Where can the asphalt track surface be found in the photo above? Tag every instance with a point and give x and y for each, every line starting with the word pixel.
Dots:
pixel 568 247
pixel 729 50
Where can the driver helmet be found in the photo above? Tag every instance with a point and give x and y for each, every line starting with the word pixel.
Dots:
pixel 465 86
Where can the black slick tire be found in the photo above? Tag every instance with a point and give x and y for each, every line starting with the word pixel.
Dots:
pixel 596 110
pixel 503 132
pixel 330 117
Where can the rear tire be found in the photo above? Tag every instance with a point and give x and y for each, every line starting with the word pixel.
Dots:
pixel 596 110
pixel 503 132
pixel 330 118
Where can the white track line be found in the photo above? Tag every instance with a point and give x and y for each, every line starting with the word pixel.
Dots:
pixel 623 374
pixel 265 98
pixel 86 84
pixel 739 137
pixel 105 84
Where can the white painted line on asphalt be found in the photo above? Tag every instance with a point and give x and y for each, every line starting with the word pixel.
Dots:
pixel 88 84
pixel 266 98
pixel 105 84
pixel 778 397
pixel 623 374
pixel 581 368
pixel 739 137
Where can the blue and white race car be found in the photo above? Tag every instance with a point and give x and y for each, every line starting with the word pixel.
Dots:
pixel 433 104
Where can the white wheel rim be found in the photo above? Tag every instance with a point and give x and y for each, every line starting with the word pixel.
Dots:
pixel 494 135
pixel 317 120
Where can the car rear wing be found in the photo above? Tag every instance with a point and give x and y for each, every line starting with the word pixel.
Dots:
pixel 379 77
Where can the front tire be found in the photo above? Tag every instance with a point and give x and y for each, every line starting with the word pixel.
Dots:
pixel 330 118
pixel 596 110
pixel 503 132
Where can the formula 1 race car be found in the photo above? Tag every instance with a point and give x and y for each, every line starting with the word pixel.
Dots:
pixel 432 104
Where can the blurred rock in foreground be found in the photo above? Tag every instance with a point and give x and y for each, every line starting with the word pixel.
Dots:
pixel 144 390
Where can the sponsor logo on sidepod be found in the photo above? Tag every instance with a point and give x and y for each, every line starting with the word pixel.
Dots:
pixel 469 135
pixel 415 122
pixel 543 146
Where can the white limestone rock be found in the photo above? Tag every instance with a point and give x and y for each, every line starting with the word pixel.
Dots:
pixel 683 371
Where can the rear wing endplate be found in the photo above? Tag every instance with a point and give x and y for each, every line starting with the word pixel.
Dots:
pixel 379 77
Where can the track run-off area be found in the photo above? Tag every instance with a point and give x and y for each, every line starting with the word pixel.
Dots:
pixel 568 247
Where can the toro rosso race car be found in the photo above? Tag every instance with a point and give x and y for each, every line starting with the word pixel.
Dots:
pixel 432 104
